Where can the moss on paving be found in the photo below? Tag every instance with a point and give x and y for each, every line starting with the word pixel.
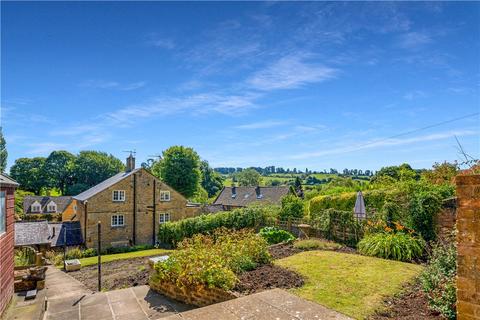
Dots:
pixel 349 283
pixel 121 256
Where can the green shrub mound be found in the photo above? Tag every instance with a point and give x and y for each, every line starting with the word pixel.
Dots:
pixel 274 235
pixel 213 261
pixel 394 246
pixel 250 217
pixel 316 244
pixel 438 280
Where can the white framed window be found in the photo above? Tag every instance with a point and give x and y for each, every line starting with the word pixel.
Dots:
pixel 163 217
pixel 118 195
pixel 118 220
pixel 3 212
pixel 36 207
pixel 164 195
pixel 52 207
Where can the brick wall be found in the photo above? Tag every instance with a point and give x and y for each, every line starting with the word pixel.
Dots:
pixel 200 297
pixel 6 251
pixel 468 243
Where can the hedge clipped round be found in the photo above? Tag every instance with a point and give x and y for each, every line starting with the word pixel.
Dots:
pixel 274 235
pixel 394 246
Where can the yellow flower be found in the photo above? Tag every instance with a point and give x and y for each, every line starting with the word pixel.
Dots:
pixel 388 229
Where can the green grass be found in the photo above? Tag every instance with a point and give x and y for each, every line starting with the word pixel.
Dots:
pixel 316 244
pixel 121 256
pixel 352 284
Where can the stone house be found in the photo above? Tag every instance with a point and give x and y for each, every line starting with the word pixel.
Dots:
pixel 130 206
pixel 7 212
pixel 239 197
pixel 46 205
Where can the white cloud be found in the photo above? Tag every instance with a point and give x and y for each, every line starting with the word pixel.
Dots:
pixel 103 84
pixel 381 143
pixel 413 40
pixel 416 94
pixel 261 125
pixel 163 43
pixel 290 72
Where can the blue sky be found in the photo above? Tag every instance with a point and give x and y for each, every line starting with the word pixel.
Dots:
pixel 317 85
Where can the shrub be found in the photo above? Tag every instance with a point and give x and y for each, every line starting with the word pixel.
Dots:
pixel 213 261
pixel 292 207
pixel 394 246
pixel 115 250
pixel 438 279
pixel 250 217
pixel 423 210
pixel 274 235
pixel 89 253
pixel 316 244
pixel 74 253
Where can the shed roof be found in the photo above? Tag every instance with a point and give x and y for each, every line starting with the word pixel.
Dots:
pixel 31 233
pixel 248 195
pixel 69 229
pixel 85 195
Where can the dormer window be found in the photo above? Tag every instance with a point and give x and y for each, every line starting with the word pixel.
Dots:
pixel 52 207
pixel 164 195
pixel 36 207
pixel 118 195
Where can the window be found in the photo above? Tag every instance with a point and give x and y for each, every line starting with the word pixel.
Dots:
pixel 52 207
pixel 164 217
pixel 118 195
pixel 35 207
pixel 118 220
pixel 3 213
pixel 164 195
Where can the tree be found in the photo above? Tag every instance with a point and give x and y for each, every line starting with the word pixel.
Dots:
pixel 249 177
pixel 441 173
pixel 180 169
pixel 29 173
pixel 92 167
pixel 3 152
pixel 292 207
pixel 212 182
pixel 58 170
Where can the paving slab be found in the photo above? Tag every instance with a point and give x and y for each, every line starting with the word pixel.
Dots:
pixel 271 304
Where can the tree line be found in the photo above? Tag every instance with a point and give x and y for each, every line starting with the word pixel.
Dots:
pixel 265 171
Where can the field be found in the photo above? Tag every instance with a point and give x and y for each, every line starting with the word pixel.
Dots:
pixel 282 178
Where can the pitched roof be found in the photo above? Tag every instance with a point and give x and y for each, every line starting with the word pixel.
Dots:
pixel 104 185
pixel 6 180
pixel 62 203
pixel 31 233
pixel 71 230
pixel 248 195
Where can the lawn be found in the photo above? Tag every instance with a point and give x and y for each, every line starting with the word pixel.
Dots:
pixel 352 284
pixel 121 256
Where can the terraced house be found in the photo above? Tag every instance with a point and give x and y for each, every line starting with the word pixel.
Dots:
pixel 130 207
pixel 46 205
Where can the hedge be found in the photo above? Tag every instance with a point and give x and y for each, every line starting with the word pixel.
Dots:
pixel 338 225
pixel 171 233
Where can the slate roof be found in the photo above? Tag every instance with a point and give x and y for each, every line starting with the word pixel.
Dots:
pixel 85 195
pixel 31 233
pixel 248 195
pixel 6 180
pixel 42 232
pixel 62 203
pixel 73 233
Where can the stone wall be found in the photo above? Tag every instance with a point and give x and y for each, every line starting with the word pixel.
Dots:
pixel 100 207
pixel 468 244
pixel 200 297
pixel 446 219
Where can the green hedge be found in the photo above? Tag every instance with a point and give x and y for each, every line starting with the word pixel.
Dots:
pixel 251 217
pixel 338 225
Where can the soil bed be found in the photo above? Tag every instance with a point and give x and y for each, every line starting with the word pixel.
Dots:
pixel 282 250
pixel 115 275
pixel 267 277
pixel 412 304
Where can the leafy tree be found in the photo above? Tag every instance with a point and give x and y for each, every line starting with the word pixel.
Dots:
pixel 93 167
pixel 292 207
pixel 58 170
pixel 29 173
pixel 212 182
pixel 3 152
pixel 76 188
pixel 441 173
pixel 249 177
pixel 19 196
pixel 180 169
pixel 403 172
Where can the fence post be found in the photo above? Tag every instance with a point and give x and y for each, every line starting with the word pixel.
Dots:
pixel 99 250
pixel 289 224
pixel 64 248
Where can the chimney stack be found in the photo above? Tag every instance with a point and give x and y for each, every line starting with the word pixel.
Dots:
pixel 234 191
pixel 130 163
pixel 258 192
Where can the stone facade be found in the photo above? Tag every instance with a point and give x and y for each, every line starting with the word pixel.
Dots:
pixel 141 221
pixel 200 296
pixel 468 244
